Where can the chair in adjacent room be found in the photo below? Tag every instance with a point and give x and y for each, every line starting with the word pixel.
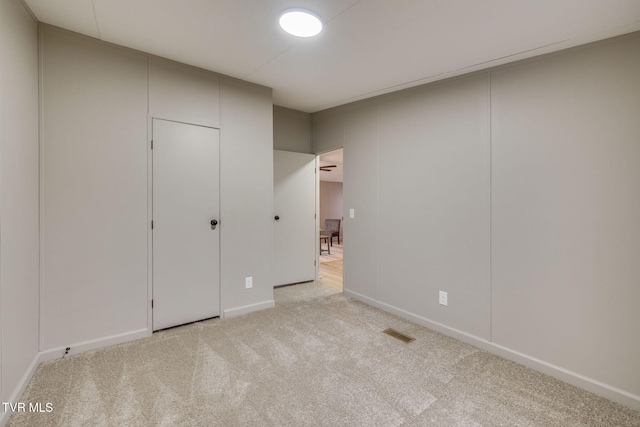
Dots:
pixel 332 229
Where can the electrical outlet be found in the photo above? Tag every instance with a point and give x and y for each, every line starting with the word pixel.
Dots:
pixel 352 213
pixel 443 298
pixel 248 282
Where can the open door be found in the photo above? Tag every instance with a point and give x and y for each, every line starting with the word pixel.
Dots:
pixel 294 194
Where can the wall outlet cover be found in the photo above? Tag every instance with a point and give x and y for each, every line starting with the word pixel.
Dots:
pixel 443 298
pixel 248 282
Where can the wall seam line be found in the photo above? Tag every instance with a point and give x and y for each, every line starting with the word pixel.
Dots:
pixel 40 188
pixel 489 112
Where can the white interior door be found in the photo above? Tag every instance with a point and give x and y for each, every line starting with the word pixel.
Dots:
pixel 186 247
pixel 295 237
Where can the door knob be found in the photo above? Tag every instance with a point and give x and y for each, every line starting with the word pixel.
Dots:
pixel 214 222
pixel 277 218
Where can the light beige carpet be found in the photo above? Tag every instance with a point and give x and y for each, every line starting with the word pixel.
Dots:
pixel 317 359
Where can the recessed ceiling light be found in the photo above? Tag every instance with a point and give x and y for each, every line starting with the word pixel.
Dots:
pixel 300 22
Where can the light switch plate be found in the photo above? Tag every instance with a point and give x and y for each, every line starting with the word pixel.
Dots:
pixel 352 213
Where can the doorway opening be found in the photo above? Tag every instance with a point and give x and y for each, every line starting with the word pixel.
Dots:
pixel 331 219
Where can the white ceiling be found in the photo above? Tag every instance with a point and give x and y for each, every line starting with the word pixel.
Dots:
pixel 368 47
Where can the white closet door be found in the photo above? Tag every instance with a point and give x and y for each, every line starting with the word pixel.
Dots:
pixel 186 247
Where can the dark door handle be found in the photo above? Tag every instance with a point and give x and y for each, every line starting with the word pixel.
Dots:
pixel 214 222
pixel 277 218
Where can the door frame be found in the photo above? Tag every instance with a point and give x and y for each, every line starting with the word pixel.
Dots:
pixel 150 119
pixel 318 224
pixel 317 166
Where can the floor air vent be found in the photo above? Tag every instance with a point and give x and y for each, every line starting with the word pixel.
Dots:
pixel 399 335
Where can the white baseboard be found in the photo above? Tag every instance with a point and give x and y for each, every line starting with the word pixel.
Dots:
pixel 602 389
pixel 81 347
pixel 56 353
pixel 237 311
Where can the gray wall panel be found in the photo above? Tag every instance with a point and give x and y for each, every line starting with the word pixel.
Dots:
pixel 94 190
pixel 566 211
pixel 95 185
pixel 246 195
pixel 516 191
pixel 433 199
pixel 19 223
pixel 291 130
pixel 327 130
pixel 360 190
pixel 182 93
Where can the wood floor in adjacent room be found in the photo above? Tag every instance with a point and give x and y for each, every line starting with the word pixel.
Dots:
pixel 331 268
pixel 331 275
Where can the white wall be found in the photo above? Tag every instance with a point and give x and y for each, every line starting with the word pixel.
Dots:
pixel 96 203
pixel 516 191
pixel 19 241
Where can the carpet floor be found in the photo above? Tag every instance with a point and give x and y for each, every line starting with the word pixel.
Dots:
pixel 318 358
